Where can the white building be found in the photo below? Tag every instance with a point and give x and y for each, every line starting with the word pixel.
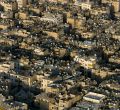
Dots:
pixel 86 6
pixel 94 97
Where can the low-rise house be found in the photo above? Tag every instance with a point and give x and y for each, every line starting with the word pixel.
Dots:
pixel 5 67
pixel 87 34
pixel 9 104
pixel 116 36
pixel 46 80
pixel 22 3
pixel 47 102
pixel 6 23
pixel 9 5
pixel 86 62
pixel 38 51
pixel 23 15
pixel 115 4
pixel 19 32
pixel 6 15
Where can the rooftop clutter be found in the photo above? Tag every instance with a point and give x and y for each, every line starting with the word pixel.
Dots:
pixel 57 55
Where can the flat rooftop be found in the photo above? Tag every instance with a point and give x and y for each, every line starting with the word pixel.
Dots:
pixel 94 96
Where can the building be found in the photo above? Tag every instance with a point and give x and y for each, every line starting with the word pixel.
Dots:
pixel 23 15
pixel 94 97
pixel 45 102
pixel 103 72
pixel 54 35
pixel 100 10
pixel 22 3
pixel 85 6
pixel 116 36
pixel 87 34
pixel 52 102
pixel 6 15
pixel 38 51
pixel 47 80
pixel 76 22
pixel 9 104
pixel 115 4
pixel 85 62
pixel 60 52
pixel 68 100
pixel 6 41
pixel 86 106
pixel 9 5
pixel 19 32
pixel 5 67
